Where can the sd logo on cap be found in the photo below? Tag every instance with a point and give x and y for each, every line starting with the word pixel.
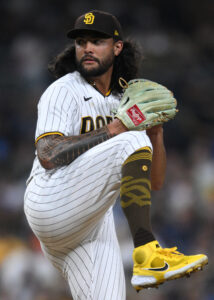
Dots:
pixel 89 18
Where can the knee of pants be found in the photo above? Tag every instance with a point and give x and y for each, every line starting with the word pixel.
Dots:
pixel 131 141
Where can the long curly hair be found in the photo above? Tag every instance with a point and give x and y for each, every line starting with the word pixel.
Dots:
pixel 126 64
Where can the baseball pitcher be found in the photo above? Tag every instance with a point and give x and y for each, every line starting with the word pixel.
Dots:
pixel 99 135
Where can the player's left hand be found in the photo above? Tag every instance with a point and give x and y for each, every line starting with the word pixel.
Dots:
pixel 146 104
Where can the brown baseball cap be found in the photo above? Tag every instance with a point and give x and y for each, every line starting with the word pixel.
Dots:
pixel 97 21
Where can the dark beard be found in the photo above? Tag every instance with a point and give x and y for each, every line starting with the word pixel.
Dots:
pixel 99 70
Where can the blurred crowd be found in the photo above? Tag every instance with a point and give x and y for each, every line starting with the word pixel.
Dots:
pixel 177 41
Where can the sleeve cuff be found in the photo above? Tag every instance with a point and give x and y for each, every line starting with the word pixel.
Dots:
pixel 46 134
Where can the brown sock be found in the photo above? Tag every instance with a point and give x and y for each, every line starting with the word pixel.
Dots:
pixel 135 195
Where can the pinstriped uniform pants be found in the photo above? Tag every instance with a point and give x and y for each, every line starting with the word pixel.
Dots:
pixel 70 211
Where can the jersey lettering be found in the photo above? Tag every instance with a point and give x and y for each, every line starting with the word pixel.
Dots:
pixel 109 119
pixel 100 122
pixel 88 124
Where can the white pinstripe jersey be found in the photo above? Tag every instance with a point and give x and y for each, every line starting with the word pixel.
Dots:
pixel 71 106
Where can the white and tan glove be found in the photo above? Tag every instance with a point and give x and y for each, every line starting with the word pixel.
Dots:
pixel 146 104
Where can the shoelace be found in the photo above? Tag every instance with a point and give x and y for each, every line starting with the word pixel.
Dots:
pixel 169 251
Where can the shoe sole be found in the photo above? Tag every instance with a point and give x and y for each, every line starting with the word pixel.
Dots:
pixel 146 282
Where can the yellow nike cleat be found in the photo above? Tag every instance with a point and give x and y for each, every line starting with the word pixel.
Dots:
pixel 154 265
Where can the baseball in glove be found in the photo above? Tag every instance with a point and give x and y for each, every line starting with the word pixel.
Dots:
pixel 145 104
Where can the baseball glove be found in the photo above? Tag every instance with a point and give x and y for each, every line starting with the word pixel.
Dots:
pixel 145 104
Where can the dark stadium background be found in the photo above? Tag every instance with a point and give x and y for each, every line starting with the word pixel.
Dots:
pixel 177 40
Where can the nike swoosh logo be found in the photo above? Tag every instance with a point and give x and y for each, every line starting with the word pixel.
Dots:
pixel 164 268
pixel 87 98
